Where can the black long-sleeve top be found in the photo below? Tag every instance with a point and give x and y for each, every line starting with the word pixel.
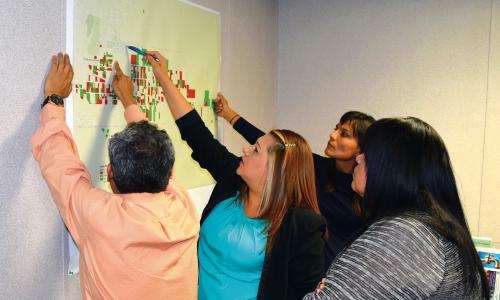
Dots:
pixel 335 203
pixel 295 263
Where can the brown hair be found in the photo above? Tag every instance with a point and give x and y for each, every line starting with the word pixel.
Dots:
pixel 290 181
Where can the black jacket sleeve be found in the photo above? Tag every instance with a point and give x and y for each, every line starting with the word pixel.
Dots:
pixel 247 130
pixel 207 151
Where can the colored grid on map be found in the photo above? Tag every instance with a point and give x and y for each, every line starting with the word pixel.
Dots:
pixel 148 94
pixel 97 89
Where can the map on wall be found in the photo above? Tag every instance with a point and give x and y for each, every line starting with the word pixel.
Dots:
pixel 187 35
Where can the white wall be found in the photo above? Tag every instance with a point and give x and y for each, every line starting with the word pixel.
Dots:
pixel 32 244
pixel 428 59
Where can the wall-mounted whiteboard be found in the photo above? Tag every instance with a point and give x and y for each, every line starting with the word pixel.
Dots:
pixel 188 35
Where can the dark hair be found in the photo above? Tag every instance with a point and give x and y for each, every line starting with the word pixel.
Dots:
pixel 141 158
pixel 359 122
pixel 409 171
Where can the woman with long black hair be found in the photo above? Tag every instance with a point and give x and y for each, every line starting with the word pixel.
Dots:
pixel 418 245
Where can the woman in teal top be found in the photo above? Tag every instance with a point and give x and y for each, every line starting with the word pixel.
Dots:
pixel 262 236
pixel 236 273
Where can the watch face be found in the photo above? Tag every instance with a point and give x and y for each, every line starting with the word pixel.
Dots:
pixel 56 99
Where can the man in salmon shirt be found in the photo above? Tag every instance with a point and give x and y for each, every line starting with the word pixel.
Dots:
pixel 138 242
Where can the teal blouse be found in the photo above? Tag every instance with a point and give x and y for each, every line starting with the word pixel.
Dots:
pixel 231 253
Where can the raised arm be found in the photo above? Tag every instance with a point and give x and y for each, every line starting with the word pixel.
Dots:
pixel 54 149
pixel 124 89
pixel 207 151
pixel 241 125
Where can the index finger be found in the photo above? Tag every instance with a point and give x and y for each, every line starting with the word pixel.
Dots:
pixel 118 70
pixel 60 60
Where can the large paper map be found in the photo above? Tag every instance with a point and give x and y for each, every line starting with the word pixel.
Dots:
pixel 188 36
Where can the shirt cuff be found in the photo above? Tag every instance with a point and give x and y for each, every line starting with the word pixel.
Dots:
pixel 134 114
pixel 51 111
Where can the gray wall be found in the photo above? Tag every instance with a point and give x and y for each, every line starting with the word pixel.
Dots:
pixel 437 60
pixel 33 239
pixel 32 235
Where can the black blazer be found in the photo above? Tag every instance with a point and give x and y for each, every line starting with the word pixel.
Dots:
pixel 295 264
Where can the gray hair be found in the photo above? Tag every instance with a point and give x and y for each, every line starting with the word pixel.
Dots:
pixel 141 158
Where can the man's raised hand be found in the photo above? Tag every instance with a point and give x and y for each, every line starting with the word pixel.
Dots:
pixel 58 80
pixel 123 87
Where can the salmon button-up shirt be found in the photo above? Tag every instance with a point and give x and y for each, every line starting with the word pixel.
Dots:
pixel 132 246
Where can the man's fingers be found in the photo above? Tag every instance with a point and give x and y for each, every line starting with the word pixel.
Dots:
pixel 60 58
pixel 118 70
pixel 66 64
pixel 53 64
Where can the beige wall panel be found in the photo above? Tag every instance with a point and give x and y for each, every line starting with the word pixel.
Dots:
pixel 489 223
pixel 427 59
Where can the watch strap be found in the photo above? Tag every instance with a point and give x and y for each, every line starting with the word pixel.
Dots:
pixel 56 99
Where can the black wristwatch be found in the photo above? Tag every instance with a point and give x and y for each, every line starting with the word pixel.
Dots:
pixel 57 100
